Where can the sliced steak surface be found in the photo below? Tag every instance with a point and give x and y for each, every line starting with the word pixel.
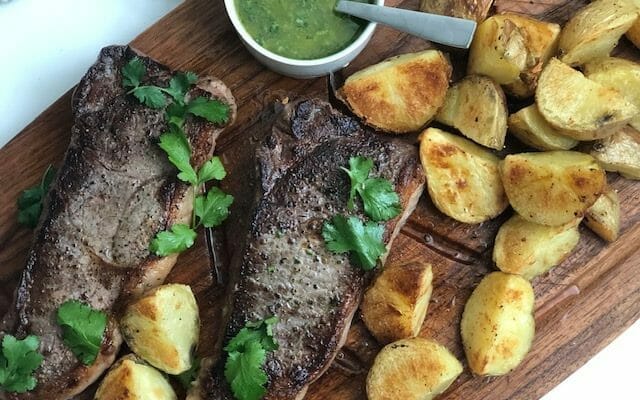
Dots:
pixel 279 263
pixel 114 192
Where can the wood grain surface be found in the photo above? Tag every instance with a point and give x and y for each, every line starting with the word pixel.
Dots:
pixel 581 305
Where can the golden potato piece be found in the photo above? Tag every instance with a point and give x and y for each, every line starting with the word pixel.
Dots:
pixel 529 249
pixel 619 74
pixel 131 379
pixel 476 106
pixel 633 34
pixel 595 30
pixel 603 217
pixel 552 188
pixel 462 178
pixel 476 10
pixel 401 94
pixel 579 107
pixel 412 369
pixel 532 129
pixel 395 306
pixel 163 327
pixel 619 152
pixel 497 324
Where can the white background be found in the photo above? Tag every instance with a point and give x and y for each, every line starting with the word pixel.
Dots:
pixel 46 46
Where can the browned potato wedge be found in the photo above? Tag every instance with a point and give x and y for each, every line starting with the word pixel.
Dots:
pixel 604 216
pixel 412 369
pixel 579 107
pixel 511 49
pixel 395 305
pixel 131 379
pixel 476 10
pixel 462 178
pixel 476 106
pixel 619 74
pixel 552 188
pixel 533 130
pixel 497 324
pixel 619 152
pixel 163 327
pixel 595 30
pixel 401 94
pixel 633 33
pixel 529 249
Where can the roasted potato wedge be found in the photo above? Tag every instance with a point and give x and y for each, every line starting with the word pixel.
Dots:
pixel 529 249
pixel 579 107
pixel 401 94
pixel 633 34
pixel 552 188
pixel 603 217
pixel 163 327
pixel 462 178
pixel 619 74
pixel 131 379
pixel 530 127
pixel 511 49
pixel 497 324
pixel 595 30
pixel 412 369
pixel 476 106
pixel 395 306
pixel 476 10
pixel 619 152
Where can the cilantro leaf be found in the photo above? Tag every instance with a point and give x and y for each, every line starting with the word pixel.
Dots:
pixel 214 208
pixel 176 240
pixel 212 110
pixel 190 375
pixel 18 361
pixel 174 115
pixel 150 96
pixel 176 145
pixel 180 84
pixel 212 169
pixel 133 72
pixel 359 168
pixel 362 241
pixel 30 201
pixel 82 329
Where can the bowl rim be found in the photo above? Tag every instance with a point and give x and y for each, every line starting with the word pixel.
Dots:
pixel 232 12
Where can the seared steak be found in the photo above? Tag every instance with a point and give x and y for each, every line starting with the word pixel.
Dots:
pixel 114 192
pixel 279 263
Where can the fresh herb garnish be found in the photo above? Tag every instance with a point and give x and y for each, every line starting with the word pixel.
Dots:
pixel 176 240
pixel 30 200
pixel 246 355
pixel 362 241
pixel 82 329
pixel 190 375
pixel 381 202
pixel 18 360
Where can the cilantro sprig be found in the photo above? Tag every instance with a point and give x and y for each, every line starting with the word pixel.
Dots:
pixel 82 329
pixel 30 200
pixel 351 235
pixel 246 355
pixel 209 209
pixel 18 360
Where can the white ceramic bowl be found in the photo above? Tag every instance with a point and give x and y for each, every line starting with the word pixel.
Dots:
pixel 300 68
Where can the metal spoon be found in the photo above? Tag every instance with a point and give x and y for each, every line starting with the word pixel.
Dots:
pixel 450 31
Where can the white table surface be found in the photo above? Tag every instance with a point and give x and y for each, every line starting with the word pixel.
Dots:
pixel 46 46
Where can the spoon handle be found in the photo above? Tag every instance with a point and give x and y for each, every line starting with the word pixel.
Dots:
pixel 450 31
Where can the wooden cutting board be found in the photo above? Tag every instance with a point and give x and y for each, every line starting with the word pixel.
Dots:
pixel 581 305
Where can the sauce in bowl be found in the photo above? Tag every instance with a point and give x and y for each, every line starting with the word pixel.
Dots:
pixel 299 29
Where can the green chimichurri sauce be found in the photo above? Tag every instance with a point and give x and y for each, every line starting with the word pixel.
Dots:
pixel 300 29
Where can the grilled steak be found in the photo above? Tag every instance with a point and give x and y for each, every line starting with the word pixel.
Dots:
pixel 114 192
pixel 279 263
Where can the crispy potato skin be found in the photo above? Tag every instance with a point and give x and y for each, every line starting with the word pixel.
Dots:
pixel 603 217
pixel 163 326
pixel 497 324
pixel 131 379
pixel 477 107
pixel 552 188
pixel 579 107
pixel 529 249
pixel 395 306
pixel 619 152
pixel 530 127
pixel 400 94
pixel 412 369
pixel 476 10
pixel 595 30
pixel 463 179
